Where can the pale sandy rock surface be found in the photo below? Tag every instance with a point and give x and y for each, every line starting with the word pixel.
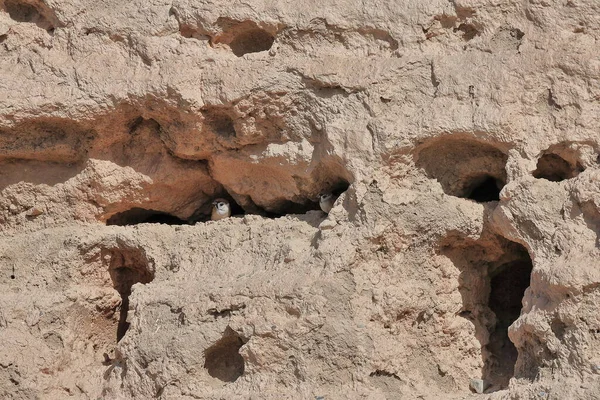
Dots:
pixel 463 251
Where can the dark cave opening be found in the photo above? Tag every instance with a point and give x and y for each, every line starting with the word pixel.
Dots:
pixel 137 215
pixel 465 167
pixel 494 275
pixel 251 41
pixel 223 360
pixel 554 168
pixel 485 189
pixel 507 288
pixel 28 11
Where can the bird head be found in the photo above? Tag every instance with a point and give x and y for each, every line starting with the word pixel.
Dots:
pixel 221 205
pixel 325 196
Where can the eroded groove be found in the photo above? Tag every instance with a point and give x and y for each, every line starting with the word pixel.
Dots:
pixel 171 150
pixel 319 33
pixel 46 139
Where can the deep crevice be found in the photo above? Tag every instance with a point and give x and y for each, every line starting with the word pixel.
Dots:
pixel 380 372
pixel 137 215
pixel 494 274
pixel 223 360
pixel 465 167
pixel 127 266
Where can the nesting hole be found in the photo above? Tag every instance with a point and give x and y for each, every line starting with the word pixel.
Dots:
pixel 223 359
pixel 251 41
pixel 485 188
pixel 136 216
pixel 468 31
pixel 494 274
pixel 244 37
pixel 218 121
pixel 558 163
pixel 127 266
pixel 325 184
pixel 464 167
pixel 22 11
pixel 507 288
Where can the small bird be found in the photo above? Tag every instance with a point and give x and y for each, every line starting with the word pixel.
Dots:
pixel 220 209
pixel 326 201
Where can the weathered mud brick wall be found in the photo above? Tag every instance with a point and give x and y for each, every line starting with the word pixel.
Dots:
pixel 461 259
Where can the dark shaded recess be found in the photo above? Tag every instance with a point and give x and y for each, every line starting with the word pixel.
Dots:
pixel 517 33
pixel 507 287
pixel 203 213
pixel 468 31
pixel 494 274
pixel 289 207
pixel 465 167
pixel 485 189
pixel 251 41
pixel 136 216
pixel 380 372
pixel 22 11
pixel 127 267
pixel 219 121
pixel 223 360
pixel 336 186
pixel 554 168
pixel 339 187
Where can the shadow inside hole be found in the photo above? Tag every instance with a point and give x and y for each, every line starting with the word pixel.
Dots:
pixel 468 31
pixel 218 121
pixel 127 267
pixel 494 275
pixel 507 288
pixel 203 214
pixel 136 216
pixel 251 41
pixel 22 11
pixel 289 207
pixel 334 186
pixel 554 168
pixel 484 189
pixel 464 167
pixel 223 360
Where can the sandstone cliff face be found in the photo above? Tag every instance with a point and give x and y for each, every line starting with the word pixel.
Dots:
pixel 461 256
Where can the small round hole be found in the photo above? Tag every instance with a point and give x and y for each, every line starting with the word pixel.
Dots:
pixel 12 277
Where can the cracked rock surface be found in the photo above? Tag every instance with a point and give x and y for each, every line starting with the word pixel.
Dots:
pixel 460 260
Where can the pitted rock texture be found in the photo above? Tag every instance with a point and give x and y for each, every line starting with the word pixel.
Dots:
pixel 461 256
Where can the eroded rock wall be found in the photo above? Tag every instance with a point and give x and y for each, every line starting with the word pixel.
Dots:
pixel 460 257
